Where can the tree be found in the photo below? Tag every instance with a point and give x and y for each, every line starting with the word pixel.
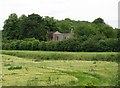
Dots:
pixel 65 25
pixel 99 21
pixel 50 23
pixel 34 27
pixel 118 36
pixel 21 24
pixel 10 30
pixel 108 31
pixel 84 29
pixel 90 45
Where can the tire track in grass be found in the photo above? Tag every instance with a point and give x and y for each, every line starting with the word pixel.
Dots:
pixel 81 76
pixel 84 78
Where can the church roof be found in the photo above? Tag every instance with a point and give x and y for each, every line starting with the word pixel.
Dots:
pixel 57 32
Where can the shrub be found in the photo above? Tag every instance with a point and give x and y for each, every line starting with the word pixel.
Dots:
pixel 42 45
pixel 73 45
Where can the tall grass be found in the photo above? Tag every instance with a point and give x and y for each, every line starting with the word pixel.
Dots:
pixel 47 55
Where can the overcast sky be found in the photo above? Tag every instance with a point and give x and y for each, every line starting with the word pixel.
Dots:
pixel 86 10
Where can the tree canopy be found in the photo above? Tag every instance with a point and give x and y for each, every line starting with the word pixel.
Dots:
pixel 88 36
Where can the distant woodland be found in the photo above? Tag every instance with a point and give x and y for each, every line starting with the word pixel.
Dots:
pixel 31 33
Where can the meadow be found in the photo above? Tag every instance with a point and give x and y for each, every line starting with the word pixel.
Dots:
pixel 44 68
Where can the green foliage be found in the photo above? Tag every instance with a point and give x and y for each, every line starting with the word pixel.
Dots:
pixel 34 27
pixel 108 45
pixel 31 33
pixel 24 27
pixel 84 29
pixel 93 44
pixel 90 45
pixel 99 21
pixel 42 46
pixel 108 31
pixel 50 24
pixel 21 23
pixel 65 25
pixel 51 45
pixel 11 30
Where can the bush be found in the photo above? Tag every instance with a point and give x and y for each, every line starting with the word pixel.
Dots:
pixel 42 45
pixel 72 45
pixel 35 44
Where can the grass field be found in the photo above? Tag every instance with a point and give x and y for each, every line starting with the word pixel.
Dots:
pixel 31 68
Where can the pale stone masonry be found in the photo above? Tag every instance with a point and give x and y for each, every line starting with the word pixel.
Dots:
pixel 57 36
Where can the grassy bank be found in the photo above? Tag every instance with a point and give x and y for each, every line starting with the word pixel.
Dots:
pixel 47 55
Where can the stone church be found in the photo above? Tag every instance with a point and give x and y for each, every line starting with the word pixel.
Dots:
pixel 57 36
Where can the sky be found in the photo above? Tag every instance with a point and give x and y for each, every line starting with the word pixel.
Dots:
pixel 83 10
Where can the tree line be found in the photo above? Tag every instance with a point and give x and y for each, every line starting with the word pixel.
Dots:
pixel 31 33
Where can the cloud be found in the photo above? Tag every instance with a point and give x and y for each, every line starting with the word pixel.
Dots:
pixel 75 9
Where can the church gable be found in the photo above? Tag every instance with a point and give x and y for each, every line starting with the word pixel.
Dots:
pixel 57 36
